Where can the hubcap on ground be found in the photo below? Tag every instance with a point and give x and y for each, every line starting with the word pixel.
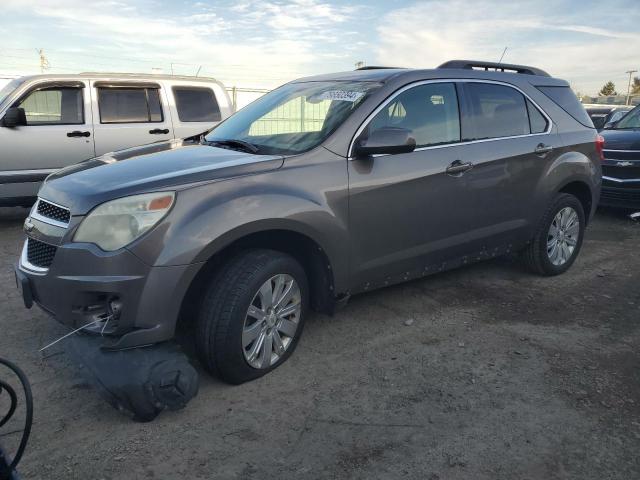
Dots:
pixel 272 321
pixel 563 236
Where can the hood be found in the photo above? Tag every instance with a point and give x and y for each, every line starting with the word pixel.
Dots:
pixel 621 139
pixel 170 165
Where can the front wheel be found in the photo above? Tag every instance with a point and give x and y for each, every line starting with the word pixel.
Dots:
pixel 558 240
pixel 252 315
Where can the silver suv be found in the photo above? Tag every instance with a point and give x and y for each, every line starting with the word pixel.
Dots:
pixel 52 121
pixel 324 188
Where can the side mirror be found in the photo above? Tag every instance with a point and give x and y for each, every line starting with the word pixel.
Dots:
pixel 609 125
pixel 388 140
pixel 14 117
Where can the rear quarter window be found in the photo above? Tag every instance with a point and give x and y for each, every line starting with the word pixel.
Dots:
pixel 567 100
pixel 196 104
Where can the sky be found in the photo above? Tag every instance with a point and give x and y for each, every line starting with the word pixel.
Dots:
pixel 262 44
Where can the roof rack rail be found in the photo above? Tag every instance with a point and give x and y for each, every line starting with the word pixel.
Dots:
pixel 376 67
pixel 494 66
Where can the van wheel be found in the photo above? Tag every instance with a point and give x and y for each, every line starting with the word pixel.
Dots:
pixel 557 242
pixel 252 315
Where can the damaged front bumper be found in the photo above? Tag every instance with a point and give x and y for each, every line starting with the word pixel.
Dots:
pixel 116 295
pixel 126 311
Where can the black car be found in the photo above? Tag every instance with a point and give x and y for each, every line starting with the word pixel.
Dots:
pixel 603 115
pixel 621 165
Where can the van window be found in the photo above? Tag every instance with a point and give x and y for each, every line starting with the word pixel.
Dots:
pixel 129 105
pixel 567 100
pixel 495 111
pixel 430 111
pixel 196 104
pixel 54 106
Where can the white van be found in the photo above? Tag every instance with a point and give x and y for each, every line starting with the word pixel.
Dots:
pixel 51 121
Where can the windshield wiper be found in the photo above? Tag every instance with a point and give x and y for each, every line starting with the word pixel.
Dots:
pixel 232 142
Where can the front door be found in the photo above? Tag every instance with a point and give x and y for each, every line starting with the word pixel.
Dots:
pixel 408 214
pixel 59 131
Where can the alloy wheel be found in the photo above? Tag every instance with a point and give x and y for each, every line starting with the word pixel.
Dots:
pixel 271 322
pixel 563 236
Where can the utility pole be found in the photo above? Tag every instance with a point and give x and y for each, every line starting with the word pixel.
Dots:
pixel 44 63
pixel 630 72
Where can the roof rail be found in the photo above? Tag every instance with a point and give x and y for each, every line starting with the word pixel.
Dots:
pixel 494 66
pixel 375 67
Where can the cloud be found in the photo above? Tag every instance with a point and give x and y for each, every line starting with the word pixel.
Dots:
pixel 222 38
pixel 565 42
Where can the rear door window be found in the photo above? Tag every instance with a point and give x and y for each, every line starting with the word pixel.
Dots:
pixel 54 106
pixel 567 100
pixel 129 105
pixel 196 104
pixel 495 111
pixel 430 111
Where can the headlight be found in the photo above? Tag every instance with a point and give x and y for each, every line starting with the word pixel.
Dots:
pixel 117 223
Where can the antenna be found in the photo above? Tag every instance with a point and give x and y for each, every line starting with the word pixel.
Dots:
pixel 502 56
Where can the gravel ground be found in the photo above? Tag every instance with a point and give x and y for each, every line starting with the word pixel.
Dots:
pixel 485 372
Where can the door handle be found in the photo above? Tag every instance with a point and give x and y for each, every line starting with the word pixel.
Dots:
pixel 542 149
pixel 78 133
pixel 158 131
pixel 457 168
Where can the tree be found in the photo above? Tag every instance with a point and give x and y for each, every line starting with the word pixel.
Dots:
pixel 635 86
pixel 608 89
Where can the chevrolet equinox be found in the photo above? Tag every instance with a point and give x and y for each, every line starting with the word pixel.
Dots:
pixel 324 188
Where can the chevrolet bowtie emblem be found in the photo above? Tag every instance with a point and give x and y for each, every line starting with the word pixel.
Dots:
pixel 28 226
pixel 624 164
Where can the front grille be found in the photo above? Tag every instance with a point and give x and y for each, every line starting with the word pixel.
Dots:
pixel 623 173
pixel 39 253
pixel 622 154
pixel 54 212
pixel 621 194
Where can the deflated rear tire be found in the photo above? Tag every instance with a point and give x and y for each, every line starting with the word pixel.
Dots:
pixel 252 315
pixel 558 239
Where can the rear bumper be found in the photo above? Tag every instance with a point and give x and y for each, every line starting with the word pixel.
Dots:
pixel 127 301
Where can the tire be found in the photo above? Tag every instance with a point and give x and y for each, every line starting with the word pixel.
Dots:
pixel 537 256
pixel 224 320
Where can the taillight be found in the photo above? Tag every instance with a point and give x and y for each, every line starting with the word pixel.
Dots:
pixel 600 147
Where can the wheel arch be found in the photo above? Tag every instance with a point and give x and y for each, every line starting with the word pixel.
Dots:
pixel 583 193
pixel 304 248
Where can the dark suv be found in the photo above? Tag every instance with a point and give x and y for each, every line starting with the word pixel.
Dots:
pixel 326 187
pixel 621 167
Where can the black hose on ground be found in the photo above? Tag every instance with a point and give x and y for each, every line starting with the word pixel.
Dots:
pixel 7 466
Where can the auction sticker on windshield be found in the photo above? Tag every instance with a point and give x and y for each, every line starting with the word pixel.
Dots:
pixel 342 95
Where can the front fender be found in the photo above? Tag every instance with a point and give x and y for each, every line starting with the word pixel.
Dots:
pixel 207 218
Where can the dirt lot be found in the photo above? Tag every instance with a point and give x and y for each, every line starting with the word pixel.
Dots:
pixel 485 373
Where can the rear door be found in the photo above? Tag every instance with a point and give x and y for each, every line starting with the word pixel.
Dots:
pixel 58 130
pixel 128 114
pixel 510 143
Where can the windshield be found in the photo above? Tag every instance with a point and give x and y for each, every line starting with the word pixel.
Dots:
pixel 8 88
pixel 293 118
pixel 617 115
pixel 630 120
